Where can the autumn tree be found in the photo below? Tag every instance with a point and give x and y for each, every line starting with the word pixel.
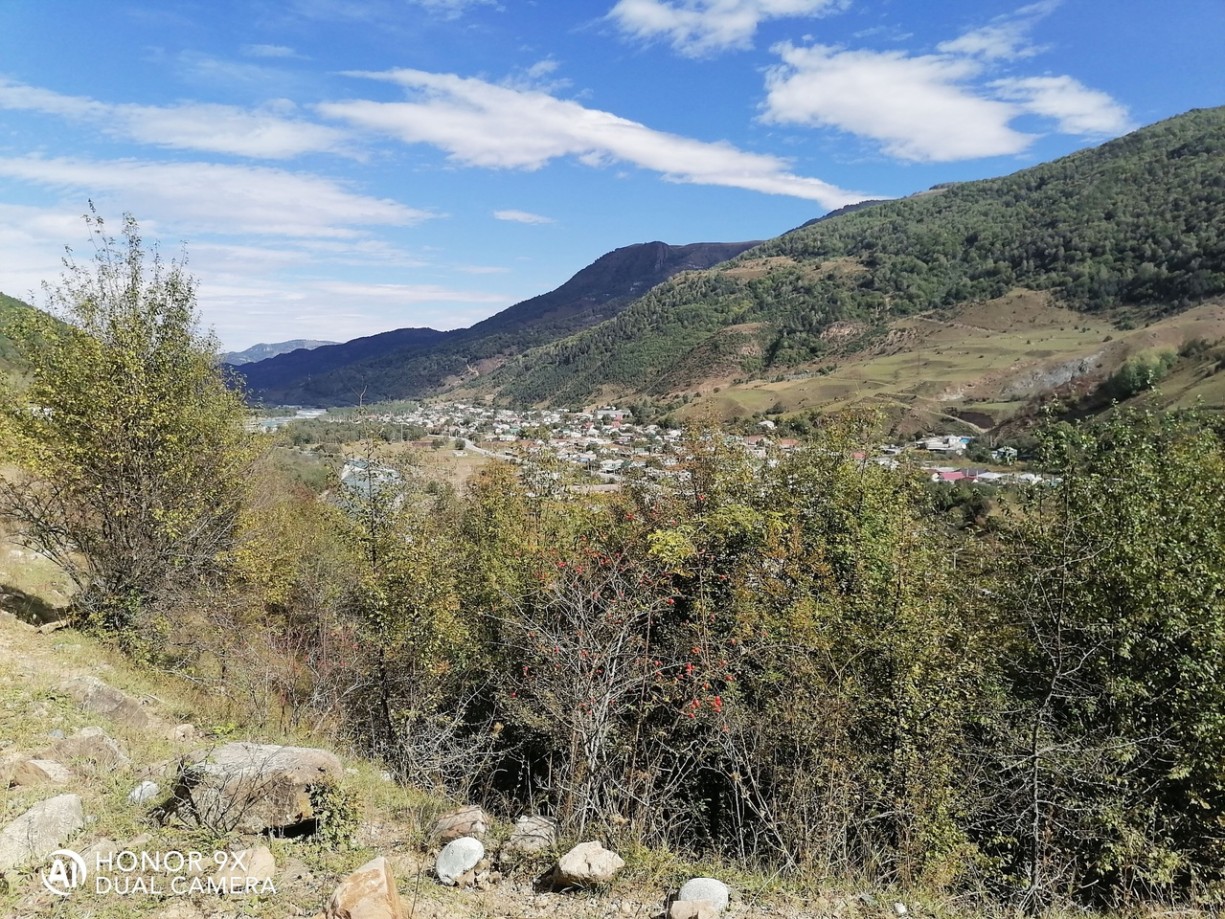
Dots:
pixel 130 444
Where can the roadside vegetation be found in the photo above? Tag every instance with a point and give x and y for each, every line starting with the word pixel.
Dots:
pixel 798 666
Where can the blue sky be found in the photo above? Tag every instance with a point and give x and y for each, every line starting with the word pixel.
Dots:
pixel 336 168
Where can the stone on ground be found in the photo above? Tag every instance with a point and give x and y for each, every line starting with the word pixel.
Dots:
pixel 457 858
pixel 250 788
pixel 40 772
pixel 713 891
pixel 531 835
pixel 144 792
pixel 247 869
pixel 586 865
pixel 91 746
pixel 692 909
pixel 368 893
pixel 467 821
pixel 102 699
pixel 40 831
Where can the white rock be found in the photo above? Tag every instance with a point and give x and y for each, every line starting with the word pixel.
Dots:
pixel 458 857
pixel 713 891
pixel 145 791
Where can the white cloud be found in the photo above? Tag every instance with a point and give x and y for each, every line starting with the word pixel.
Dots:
pixel 521 217
pixel 937 107
pixel 1076 108
pixel 264 133
pixel 1005 38
pixel 482 124
pixel 270 51
pixel 1007 41
pixel 217 197
pixel 919 108
pixel 451 9
pixel 697 27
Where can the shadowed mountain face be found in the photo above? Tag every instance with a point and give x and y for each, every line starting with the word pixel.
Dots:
pixel 410 363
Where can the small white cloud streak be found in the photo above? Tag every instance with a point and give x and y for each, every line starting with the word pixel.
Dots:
pixel 1076 108
pixel 522 217
pixel 482 124
pixel 280 52
pixel 264 133
pixel 700 27
pixel 217 197
pixel 1004 42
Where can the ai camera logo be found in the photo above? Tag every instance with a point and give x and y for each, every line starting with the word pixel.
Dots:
pixel 66 874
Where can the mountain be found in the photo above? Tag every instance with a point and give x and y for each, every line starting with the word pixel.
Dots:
pixel 262 351
pixel 1129 232
pixel 410 363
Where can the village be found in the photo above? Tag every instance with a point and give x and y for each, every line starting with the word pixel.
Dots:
pixel 609 443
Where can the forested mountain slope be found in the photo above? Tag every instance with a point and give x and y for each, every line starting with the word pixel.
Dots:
pixel 400 365
pixel 1138 222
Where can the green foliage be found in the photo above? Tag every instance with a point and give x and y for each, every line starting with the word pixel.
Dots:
pixel 1140 373
pixel 131 444
pixel 1115 591
pixel 337 816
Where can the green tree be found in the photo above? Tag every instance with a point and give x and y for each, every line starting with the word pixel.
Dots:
pixel 131 447
pixel 1114 585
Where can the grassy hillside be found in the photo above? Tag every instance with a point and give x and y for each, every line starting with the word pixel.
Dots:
pixel 1132 225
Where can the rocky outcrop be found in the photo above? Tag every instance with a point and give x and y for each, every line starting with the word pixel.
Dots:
pixel 252 788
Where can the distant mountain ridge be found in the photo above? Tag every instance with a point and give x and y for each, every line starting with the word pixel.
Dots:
pixel 264 351
pixel 411 363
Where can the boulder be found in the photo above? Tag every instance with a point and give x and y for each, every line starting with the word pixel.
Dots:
pixel 457 858
pixel 467 821
pixel 40 772
pixel 92 746
pixel 103 699
pixel 713 891
pixel 40 831
pixel 588 864
pixel 531 836
pixel 368 893
pixel 251 788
